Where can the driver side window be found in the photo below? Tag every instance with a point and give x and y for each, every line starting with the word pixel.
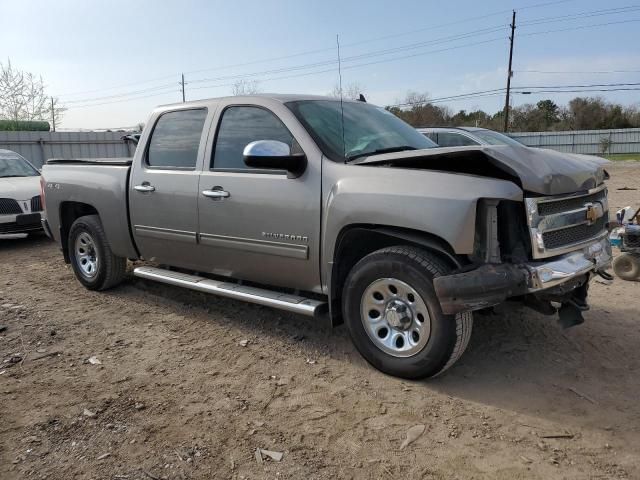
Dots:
pixel 240 126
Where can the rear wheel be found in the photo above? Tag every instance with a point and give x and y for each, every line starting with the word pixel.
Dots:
pixel 92 260
pixel 394 317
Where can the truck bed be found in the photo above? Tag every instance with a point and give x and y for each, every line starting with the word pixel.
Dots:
pixel 101 184
pixel 123 161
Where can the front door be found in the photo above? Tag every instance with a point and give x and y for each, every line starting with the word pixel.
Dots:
pixel 163 196
pixel 259 225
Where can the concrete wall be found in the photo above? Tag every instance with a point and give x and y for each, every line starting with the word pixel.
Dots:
pixel 37 147
pixel 625 140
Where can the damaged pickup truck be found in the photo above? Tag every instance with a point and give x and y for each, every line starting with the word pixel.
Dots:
pixel 339 211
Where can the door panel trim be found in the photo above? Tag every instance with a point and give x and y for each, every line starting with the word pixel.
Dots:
pixel 165 233
pixel 256 246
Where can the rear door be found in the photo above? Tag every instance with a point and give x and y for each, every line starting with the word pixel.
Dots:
pixel 163 194
pixel 267 226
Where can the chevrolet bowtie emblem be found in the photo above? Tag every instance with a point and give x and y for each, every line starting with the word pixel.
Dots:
pixel 594 212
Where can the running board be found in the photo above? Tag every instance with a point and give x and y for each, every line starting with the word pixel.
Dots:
pixel 268 298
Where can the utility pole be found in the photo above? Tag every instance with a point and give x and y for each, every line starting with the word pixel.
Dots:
pixel 182 83
pixel 509 72
pixel 53 115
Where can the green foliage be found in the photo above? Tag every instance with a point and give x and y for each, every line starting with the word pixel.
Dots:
pixel 24 126
pixel 582 113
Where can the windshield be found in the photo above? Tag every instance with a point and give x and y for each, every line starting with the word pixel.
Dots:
pixel 495 138
pixel 367 129
pixel 16 166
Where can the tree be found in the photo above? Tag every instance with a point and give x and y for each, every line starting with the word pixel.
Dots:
pixel 351 91
pixel 579 114
pixel 246 87
pixel 418 111
pixel 549 111
pixel 23 97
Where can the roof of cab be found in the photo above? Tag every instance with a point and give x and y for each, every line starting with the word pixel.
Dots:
pixel 279 97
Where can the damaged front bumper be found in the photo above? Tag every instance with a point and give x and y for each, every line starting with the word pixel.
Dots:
pixel 491 284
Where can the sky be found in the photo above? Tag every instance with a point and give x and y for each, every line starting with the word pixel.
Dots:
pixel 110 62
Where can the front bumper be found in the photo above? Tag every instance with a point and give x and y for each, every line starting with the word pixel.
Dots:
pixel 20 223
pixel 492 284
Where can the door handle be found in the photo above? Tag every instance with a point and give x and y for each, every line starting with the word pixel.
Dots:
pixel 145 188
pixel 216 193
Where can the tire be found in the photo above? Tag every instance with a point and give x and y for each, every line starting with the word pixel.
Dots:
pixel 93 262
pixel 627 266
pixel 428 348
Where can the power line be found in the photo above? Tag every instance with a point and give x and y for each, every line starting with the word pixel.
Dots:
pixel 569 72
pixel 579 16
pixel 320 50
pixel 119 95
pixel 332 62
pixel 582 90
pixel 115 87
pixel 582 86
pixel 495 91
pixel 173 90
pixel 352 58
pixel 362 64
pixel 580 27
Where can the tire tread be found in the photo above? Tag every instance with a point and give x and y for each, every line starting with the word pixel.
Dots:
pixel 435 266
pixel 115 266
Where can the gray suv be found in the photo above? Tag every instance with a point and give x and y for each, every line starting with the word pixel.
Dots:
pixel 467 136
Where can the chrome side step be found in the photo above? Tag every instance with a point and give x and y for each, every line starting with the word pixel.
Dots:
pixel 268 298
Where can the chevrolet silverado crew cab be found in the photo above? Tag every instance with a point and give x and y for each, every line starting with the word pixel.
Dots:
pixel 340 211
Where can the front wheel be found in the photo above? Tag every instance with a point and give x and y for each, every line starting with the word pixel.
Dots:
pixel 394 317
pixel 92 260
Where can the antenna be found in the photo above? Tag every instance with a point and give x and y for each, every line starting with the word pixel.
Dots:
pixel 344 145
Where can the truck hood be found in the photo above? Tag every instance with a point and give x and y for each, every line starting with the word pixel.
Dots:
pixel 19 188
pixel 543 172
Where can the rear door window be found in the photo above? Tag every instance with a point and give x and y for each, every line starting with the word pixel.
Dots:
pixel 176 138
pixel 452 139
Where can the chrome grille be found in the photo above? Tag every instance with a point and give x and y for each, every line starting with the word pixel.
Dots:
pixel 36 204
pixel 575 234
pixel 8 206
pixel 562 224
pixel 550 207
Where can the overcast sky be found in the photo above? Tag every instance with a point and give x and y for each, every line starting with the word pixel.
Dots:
pixel 111 62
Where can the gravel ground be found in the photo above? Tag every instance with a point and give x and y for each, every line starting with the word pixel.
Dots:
pixel 188 386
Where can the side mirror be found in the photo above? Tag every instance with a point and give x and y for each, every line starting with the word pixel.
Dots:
pixel 274 155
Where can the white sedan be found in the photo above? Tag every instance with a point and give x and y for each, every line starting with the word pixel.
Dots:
pixel 20 204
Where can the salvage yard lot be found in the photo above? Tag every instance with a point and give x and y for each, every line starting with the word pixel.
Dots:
pixel 187 386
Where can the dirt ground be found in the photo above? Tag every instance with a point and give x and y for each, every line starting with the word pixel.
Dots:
pixel 190 385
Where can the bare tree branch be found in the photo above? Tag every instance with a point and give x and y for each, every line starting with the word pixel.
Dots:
pixel 245 87
pixel 351 91
pixel 23 97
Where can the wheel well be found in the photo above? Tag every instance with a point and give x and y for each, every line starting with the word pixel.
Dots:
pixel 69 213
pixel 357 241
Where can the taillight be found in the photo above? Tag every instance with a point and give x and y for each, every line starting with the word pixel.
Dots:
pixel 42 192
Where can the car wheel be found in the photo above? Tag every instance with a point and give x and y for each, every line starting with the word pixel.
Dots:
pixel 627 266
pixel 394 317
pixel 92 260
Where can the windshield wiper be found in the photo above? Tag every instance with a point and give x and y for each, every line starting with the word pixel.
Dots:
pixel 11 176
pixel 400 148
